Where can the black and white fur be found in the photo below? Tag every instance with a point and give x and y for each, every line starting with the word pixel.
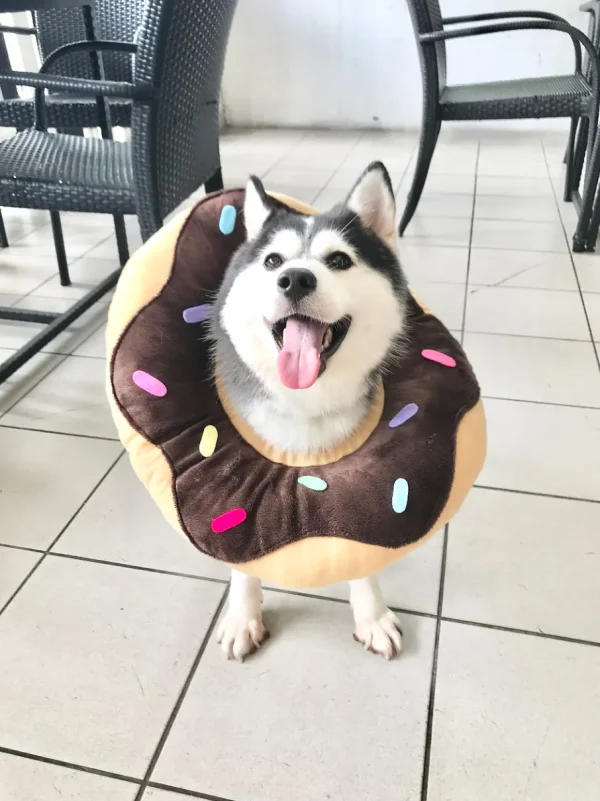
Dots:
pixel 350 252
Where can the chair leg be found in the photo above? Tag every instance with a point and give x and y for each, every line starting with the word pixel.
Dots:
pixel 594 226
pixel 3 237
pixel 579 153
pixel 59 246
pixel 585 235
pixel 214 183
pixel 429 136
pixel 121 235
pixel 569 160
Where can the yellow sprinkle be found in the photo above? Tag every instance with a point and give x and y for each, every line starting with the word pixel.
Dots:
pixel 208 443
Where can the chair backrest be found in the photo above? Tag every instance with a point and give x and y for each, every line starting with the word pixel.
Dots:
pixel 113 19
pixel 427 17
pixel 181 52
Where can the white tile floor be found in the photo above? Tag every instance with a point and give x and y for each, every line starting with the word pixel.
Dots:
pixel 112 687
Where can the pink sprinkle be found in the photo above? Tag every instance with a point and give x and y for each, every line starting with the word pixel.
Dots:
pixel 228 520
pixel 440 358
pixel 149 384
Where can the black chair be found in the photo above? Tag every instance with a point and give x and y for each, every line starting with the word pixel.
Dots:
pixel 574 96
pixel 114 20
pixel 174 146
pixel 593 10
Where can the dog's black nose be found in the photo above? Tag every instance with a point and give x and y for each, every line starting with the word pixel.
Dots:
pixel 296 283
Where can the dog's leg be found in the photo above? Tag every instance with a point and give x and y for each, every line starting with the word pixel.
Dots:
pixel 241 631
pixel 377 627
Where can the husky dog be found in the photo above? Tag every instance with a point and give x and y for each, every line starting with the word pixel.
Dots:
pixel 311 313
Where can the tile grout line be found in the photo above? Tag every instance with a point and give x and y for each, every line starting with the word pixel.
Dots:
pixel 69 765
pixel 470 246
pixel 430 241
pixel 537 494
pixel 81 355
pixel 265 175
pixel 307 595
pixel 336 600
pixel 502 285
pixel 576 274
pixel 141 568
pixel 338 168
pixel 189 793
pixel 278 590
pixel 57 538
pixel 524 336
pixel 109 563
pixel 405 172
pixel 438 626
pixel 543 403
pixel 60 360
pixel 525 632
pixel 50 431
pixel 181 697
pixel 26 548
pixel 434 668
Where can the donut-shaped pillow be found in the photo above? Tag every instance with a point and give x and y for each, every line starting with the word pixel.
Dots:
pixel 294 522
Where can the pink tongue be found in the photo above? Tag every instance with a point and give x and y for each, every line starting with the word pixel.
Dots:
pixel 299 360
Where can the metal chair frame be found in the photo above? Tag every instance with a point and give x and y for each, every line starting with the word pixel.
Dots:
pixel 580 105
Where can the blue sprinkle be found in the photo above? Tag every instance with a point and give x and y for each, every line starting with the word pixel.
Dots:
pixel 227 219
pixel 400 495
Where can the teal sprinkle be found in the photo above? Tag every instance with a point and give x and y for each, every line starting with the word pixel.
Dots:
pixel 313 483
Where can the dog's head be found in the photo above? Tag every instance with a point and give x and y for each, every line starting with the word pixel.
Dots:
pixel 310 301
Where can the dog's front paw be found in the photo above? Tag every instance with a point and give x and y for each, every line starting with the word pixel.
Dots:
pixel 240 634
pixel 381 635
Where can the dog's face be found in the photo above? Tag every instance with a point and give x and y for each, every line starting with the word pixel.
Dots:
pixel 316 303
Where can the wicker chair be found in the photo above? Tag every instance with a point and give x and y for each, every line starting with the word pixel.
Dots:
pixel 574 96
pixel 593 10
pixel 112 20
pixel 174 146
pixel 116 20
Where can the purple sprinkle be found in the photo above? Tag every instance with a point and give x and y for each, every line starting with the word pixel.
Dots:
pixel 197 314
pixel 403 415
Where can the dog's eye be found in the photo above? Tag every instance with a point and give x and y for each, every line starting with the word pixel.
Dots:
pixel 273 261
pixel 338 260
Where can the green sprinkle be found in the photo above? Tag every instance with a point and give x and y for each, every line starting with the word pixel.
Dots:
pixel 313 483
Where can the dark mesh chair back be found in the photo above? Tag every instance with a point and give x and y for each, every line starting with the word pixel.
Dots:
pixel 113 19
pixel 182 48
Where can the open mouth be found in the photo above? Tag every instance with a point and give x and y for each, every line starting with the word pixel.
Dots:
pixel 305 345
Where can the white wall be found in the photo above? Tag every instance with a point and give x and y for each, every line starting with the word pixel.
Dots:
pixel 342 63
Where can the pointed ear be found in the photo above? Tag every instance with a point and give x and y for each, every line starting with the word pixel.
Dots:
pixel 372 199
pixel 257 207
